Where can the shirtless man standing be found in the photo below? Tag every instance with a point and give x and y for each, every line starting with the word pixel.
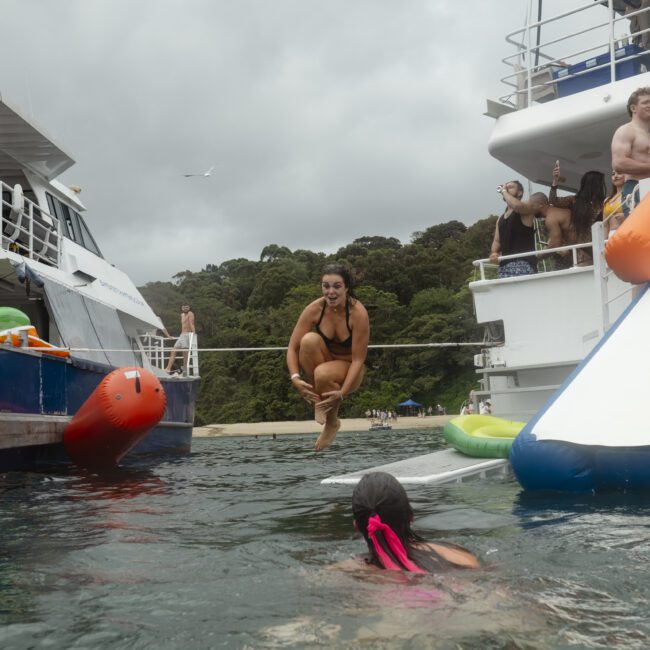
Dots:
pixel 184 340
pixel 631 147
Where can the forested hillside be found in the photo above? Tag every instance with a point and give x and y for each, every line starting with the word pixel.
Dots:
pixel 414 293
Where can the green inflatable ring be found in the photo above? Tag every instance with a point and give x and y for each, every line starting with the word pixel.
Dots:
pixel 481 436
pixel 11 317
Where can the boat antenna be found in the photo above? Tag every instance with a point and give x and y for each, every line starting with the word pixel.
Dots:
pixel 539 31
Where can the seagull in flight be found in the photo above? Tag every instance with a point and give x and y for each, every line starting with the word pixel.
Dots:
pixel 205 174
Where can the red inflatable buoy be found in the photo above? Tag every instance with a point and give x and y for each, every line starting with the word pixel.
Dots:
pixel 628 250
pixel 125 406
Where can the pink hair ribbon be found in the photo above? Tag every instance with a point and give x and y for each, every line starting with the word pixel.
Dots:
pixel 395 545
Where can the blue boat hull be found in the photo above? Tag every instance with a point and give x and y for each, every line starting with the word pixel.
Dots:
pixel 34 384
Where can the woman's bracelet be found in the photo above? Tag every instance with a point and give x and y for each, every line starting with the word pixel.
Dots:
pixel 295 374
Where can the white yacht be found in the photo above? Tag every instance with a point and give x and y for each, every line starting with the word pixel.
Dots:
pixel 53 273
pixel 564 98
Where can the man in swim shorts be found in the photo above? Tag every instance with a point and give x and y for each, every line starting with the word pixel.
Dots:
pixel 631 148
pixel 185 339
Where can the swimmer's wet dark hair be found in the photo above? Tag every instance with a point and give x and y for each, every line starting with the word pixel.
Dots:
pixel 380 496
pixel 349 278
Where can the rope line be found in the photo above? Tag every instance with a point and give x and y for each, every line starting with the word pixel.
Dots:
pixel 272 348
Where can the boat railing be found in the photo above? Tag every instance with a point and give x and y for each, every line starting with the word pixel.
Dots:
pixel 27 229
pixel 486 269
pixel 607 290
pixel 604 276
pixel 159 348
pixel 542 71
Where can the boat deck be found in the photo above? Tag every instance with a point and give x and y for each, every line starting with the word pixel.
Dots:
pixel 437 468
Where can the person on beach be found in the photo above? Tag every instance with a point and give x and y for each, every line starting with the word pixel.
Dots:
pixel 631 148
pixel 383 515
pixel 329 344
pixel 184 340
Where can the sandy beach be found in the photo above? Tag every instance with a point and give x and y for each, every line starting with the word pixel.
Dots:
pixel 310 426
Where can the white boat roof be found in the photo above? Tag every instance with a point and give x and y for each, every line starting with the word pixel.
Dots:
pixel 24 143
pixel 576 130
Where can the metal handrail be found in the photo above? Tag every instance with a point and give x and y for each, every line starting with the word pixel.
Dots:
pixel 599 268
pixel 23 238
pixel 158 350
pixel 521 39
pixel 482 263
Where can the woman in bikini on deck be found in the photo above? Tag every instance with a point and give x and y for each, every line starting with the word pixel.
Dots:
pixel 329 344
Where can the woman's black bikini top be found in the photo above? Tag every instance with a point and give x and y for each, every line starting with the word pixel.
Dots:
pixel 329 342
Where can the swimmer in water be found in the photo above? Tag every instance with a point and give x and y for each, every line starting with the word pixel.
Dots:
pixel 329 344
pixel 383 515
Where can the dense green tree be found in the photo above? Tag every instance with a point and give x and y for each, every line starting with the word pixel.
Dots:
pixel 414 293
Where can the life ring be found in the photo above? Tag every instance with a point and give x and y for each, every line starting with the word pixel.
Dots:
pixel 481 436
pixel 15 337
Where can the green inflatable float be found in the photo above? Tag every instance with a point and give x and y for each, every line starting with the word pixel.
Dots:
pixel 11 317
pixel 481 436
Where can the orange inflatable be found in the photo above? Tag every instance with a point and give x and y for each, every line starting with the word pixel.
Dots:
pixel 628 250
pixel 126 405
pixel 15 337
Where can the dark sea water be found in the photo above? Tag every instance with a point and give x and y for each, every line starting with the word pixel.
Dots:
pixel 233 547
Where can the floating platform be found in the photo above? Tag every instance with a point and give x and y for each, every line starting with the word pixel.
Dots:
pixel 437 468
pixel 26 430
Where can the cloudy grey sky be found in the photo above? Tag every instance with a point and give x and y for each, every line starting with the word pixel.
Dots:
pixel 326 120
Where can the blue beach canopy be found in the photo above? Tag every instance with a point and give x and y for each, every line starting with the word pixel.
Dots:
pixel 409 402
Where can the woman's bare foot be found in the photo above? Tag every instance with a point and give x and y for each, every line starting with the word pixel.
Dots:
pixel 327 435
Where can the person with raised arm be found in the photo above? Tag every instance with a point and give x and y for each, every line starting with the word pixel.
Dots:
pixel 631 148
pixel 329 344
pixel 515 231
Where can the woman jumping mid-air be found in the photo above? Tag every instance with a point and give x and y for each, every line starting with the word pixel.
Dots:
pixel 329 344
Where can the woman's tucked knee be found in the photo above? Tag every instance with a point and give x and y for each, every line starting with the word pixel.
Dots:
pixel 310 342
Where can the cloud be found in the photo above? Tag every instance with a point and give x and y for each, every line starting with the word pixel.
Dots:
pixel 326 120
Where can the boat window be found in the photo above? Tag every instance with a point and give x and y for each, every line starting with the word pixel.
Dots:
pixel 63 215
pixel 52 208
pixel 89 242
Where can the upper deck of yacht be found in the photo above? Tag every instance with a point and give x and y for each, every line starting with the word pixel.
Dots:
pixel 568 81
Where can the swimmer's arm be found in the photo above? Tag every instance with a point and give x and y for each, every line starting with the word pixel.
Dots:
pixel 453 553
pixel 622 160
